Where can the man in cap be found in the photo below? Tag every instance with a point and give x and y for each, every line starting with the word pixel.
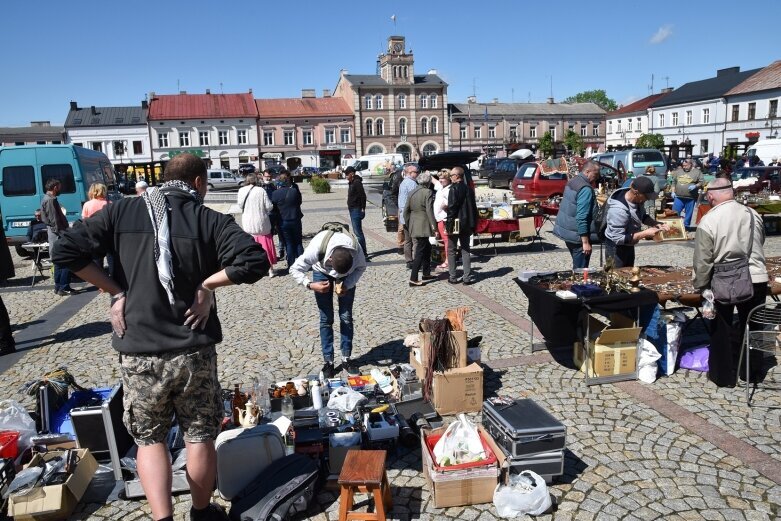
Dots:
pixel 625 217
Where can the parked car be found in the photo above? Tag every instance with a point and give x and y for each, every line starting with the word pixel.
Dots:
pixel 764 177
pixel 488 166
pixel 504 172
pixel 529 182
pixel 247 168
pixel 222 179
pixel 450 160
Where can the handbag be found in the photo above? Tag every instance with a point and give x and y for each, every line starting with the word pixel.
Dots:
pixel 731 281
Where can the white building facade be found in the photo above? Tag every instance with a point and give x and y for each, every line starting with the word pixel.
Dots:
pixel 751 108
pixel 627 123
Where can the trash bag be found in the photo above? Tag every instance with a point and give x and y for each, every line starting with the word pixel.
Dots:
pixel 670 355
pixel 696 358
pixel 646 365
pixel 526 493
pixel 14 417
pixel 344 399
pixel 459 444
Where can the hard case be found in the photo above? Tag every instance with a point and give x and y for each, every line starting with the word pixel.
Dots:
pixel 523 428
pixel 242 454
pixel 548 465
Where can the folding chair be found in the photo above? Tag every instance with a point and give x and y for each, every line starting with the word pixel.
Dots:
pixel 763 333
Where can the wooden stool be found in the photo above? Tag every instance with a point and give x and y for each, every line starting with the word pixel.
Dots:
pixel 364 472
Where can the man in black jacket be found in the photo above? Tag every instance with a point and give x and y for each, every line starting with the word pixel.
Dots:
pixel 171 254
pixel 356 205
pixel 461 208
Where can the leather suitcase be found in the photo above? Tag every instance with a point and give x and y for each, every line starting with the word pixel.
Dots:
pixel 243 454
pixel 523 428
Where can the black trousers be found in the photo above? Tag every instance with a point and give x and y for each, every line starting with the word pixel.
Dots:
pixel 727 340
pixel 422 258
pixel 623 254
pixel 6 336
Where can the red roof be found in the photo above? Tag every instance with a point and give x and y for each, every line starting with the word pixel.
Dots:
pixel 637 106
pixel 192 106
pixel 768 78
pixel 300 107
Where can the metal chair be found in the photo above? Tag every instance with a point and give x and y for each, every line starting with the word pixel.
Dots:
pixel 763 333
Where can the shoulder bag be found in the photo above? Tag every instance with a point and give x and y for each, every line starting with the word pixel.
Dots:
pixel 731 281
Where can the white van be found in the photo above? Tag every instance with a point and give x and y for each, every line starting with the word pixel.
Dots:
pixel 766 149
pixel 367 165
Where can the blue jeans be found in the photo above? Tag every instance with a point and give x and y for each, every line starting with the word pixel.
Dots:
pixel 579 259
pixel 685 204
pixel 62 278
pixel 292 233
pixel 356 216
pixel 325 303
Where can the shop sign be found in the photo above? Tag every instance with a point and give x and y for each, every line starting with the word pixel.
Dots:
pixel 197 152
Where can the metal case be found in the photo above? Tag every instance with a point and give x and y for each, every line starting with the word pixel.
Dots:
pixel 547 465
pixel 524 428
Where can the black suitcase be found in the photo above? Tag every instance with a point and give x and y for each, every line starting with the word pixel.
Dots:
pixel 523 428
pixel 548 465
pixel 283 489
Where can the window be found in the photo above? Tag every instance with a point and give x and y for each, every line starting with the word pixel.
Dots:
pixel 56 142
pixel 378 101
pixel 330 136
pixel 222 137
pixel 424 126
pixel 62 173
pixel 618 126
pixel 674 119
pixel 374 149
pixel 583 130
pixel 369 127
pixel 433 100
pixel 380 126
pixel 367 102
pixel 243 158
pixel 429 149
pixel 661 120
pixel 639 124
pixel 609 127
pixel 735 112
pixel 184 139
pixel 533 131
pixel 18 180
pixel 478 132
pixel 491 131
pixel 423 101
pixel 268 138
pixel 345 135
pixel 289 138
pixel 435 126
pixel 688 117
pixel 403 126
pixel 629 125
pixel 513 132
pixel 402 101
pixel 77 145
pixel 138 147
pixel 552 130
pixel 703 146
pixel 773 108
pixel 203 138
pixel 752 110
pixel 595 130
pixel 162 140
pixel 706 115
pixel 462 132
pixel 40 142
pixel 96 145
pixel 306 135
pixel 242 135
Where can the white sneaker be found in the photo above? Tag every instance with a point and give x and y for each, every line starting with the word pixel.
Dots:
pixel 271 273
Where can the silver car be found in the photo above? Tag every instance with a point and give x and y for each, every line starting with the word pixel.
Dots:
pixel 222 179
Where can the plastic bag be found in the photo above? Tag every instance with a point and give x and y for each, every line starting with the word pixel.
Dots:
pixel 14 417
pixel 646 365
pixel 345 399
pixel 527 493
pixel 459 444
pixel 708 309
pixel 670 355
pixel 696 358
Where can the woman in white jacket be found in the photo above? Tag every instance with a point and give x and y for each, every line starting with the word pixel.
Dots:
pixel 255 207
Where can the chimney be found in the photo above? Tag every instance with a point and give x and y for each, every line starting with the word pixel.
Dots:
pixel 151 95
pixel 343 72
pixel 182 92
pixel 471 99
pixel 92 109
pixel 74 105
pixel 326 93
pixel 250 91
pixel 496 101
pixel 308 93
pixel 432 71
pixel 208 91
pixel 144 104
pixel 727 71
pixel 666 90
pixel 550 101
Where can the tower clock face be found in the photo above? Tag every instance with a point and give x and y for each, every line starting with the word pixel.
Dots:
pixel 397 47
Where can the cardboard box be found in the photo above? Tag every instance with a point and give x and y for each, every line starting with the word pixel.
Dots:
pixel 55 501
pixel 459 339
pixel 337 455
pixel 455 390
pixel 461 489
pixel 614 348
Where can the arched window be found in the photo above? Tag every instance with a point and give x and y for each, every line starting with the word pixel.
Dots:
pixel 424 126
pixel 402 101
pixel 405 72
pixel 434 125
pixel 369 127
pixel 375 149
pixel 378 101
pixel 367 101
pixel 403 126
pixel 433 100
pixel 429 149
pixel 395 71
pixel 424 101
pixel 380 125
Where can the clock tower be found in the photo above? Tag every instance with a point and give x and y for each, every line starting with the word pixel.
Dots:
pixel 396 64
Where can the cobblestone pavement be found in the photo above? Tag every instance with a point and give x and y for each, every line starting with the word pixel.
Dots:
pixel 677 449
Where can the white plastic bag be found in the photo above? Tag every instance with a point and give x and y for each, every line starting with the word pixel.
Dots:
pixel 674 330
pixel 646 365
pixel 14 417
pixel 459 444
pixel 345 399
pixel 527 493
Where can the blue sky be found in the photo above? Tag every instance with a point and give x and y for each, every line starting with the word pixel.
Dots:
pixel 112 53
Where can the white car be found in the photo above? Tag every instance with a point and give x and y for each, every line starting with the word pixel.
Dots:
pixel 221 179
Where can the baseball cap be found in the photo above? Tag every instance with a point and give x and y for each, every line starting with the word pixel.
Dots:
pixel 645 186
pixel 349 170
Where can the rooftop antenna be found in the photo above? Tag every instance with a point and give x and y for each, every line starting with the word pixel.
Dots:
pixel 177 85
pixel 474 88
pixel 529 99
pixel 551 86
pixel 666 81
pixel 512 95
pixel 651 87
pixel 221 88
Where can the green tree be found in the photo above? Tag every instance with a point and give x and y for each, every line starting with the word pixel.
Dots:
pixel 574 142
pixel 546 145
pixel 650 141
pixel 594 96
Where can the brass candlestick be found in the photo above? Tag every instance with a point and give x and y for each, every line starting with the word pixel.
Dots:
pixel 635 280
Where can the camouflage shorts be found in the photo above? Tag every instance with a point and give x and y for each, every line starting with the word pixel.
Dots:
pixel 181 382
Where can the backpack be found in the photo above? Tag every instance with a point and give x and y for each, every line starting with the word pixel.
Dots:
pixel 332 228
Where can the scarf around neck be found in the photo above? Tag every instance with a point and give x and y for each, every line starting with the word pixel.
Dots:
pixel 158 208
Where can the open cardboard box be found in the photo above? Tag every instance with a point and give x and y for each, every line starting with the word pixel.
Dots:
pixel 613 347
pixel 54 501
pixel 459 340
pixel 466 491
pixel 455 390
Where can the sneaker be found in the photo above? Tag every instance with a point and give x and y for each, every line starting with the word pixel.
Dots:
pixel 213 512
pixel 351 368
pixel 67 291
pixel 328 370
pixel 456 280
pixel 468 281
pixel 428 277
pixel 271 273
